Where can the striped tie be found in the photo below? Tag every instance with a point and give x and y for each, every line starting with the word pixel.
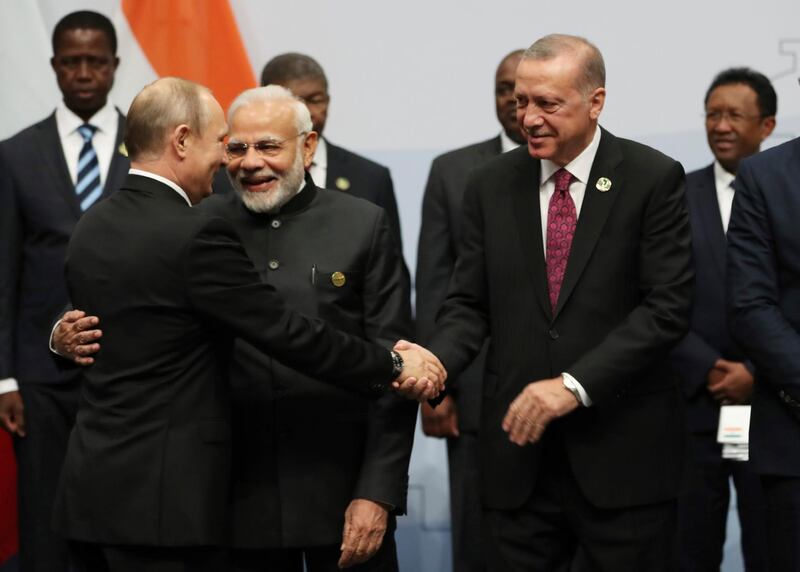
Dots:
pixel 88 187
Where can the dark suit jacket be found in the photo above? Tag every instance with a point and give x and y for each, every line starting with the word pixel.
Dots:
pixel 709 337
pixel 148 461
pixel 624 303
pixel 302 450
pixel 370 181
pixel 764 300
pixel 38 212
pixel 366 179
pixel 437 251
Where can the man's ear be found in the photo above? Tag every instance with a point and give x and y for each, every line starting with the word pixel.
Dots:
pixel 309 148
pixel 180 137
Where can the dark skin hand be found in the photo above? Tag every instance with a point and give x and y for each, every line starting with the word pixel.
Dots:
pixel 12 413
pixel 730 382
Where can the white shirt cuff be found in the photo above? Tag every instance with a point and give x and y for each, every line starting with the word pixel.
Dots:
pixel 50 342
pixel 8 385
pixel 585 399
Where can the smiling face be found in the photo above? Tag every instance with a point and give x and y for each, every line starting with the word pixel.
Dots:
pixel 84 64
pixel 205 152
pixel 558 118
pixel 505 105
pixel 734 126
pixel 272 168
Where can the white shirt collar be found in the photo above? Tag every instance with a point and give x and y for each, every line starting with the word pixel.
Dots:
pixel 321 155
pixel 722 177
pixel 580 167
pixel 507 143
pixel 68 122
pixel 171 184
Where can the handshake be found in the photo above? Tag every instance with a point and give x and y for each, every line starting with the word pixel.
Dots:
pixel 76 337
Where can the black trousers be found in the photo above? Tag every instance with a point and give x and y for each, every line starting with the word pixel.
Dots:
pixel 49 416
pixel 559 530
pixel 465 503
pixel 88 557
pixel 782 496
pixel 703 509
pixel 317 559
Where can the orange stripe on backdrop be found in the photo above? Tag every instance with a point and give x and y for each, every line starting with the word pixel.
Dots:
pixel 193 39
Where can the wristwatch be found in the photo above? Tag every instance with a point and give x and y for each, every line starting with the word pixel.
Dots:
pixel 397 365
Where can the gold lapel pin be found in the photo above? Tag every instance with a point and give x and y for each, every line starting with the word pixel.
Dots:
pixel 338 279
pixel 122 150
pixel 342 183
pixel 603 184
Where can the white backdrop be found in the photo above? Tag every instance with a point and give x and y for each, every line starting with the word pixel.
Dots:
pixel 412 79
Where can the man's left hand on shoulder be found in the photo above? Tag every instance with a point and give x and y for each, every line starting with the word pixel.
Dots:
pixel 532 411
pixel 365 523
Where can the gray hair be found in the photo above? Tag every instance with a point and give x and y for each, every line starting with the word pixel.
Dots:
pixel 271 94
pixel 554 45
pixel 158 109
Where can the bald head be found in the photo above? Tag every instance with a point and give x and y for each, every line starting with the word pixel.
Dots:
pixel 161 107
pixel 593 68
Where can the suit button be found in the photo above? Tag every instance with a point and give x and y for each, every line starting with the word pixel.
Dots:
pixel 276 223
pixel 376 387
pixel 274 264
pixel 553 334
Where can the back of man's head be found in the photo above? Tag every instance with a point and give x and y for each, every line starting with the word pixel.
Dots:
pixel 85 20
pixel 157 110
pixel 292 66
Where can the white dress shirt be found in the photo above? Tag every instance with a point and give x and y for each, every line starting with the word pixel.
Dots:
pixel 724 183
pixel 319 166
pixel 507 143
pixel 107 122
pixel 580 168
pixel 171 184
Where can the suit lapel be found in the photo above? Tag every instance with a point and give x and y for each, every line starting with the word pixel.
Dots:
pixel 594 212
pixel 55 165
pixel 119 163
pixel 708 206
pixel 336 167
pixel 529 224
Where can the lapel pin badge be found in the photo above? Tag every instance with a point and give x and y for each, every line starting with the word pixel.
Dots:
pixel 342 183
pixel 603 184
pixel 122 150
pixel 338 279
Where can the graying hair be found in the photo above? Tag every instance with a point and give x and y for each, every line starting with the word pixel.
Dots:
pixel 271 94
pixel 554 45
pixel 158 109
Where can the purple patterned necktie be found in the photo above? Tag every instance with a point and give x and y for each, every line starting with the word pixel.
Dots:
pixel 561 222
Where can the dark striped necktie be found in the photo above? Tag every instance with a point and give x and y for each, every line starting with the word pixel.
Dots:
pixel 88 187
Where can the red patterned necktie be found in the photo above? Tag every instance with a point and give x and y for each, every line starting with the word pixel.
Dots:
pixel 561 222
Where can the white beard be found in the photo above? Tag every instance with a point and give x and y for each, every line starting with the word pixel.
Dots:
pixel 287 187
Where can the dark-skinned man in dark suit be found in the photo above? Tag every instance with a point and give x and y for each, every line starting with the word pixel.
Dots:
pixel 145 481
pixel 576 261
pixel 51 173
pixel 740 113
pixel 457 417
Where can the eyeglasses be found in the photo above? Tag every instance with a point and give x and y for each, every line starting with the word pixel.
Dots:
pixel 733 116
pixel 264 148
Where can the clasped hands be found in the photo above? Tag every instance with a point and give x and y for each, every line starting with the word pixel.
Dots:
pixel 77 336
